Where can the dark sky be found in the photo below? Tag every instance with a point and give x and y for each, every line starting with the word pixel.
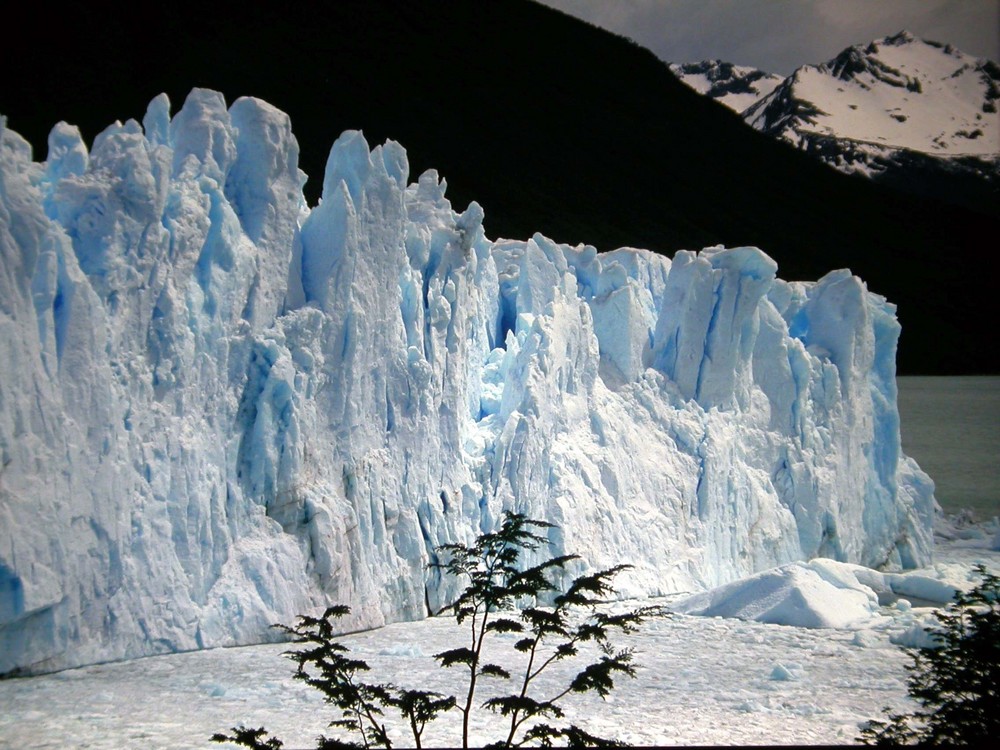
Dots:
pixel 780 35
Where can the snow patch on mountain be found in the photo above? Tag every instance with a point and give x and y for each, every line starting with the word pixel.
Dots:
pixel 220 408
pixel 736 86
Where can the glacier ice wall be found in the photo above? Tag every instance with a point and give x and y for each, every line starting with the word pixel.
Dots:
pixel 220 409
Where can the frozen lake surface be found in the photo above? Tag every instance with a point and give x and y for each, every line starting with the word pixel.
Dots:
pixel 704 681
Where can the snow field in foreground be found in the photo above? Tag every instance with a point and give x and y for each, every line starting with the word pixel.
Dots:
pixel 701 681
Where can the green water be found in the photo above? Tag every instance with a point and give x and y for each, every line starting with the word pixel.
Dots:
pixel 951 426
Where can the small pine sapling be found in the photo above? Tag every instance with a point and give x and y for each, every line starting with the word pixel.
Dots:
pixel 495 583
pixel 255 739
pixel 324 665
pixel 553 628
pixel 956 681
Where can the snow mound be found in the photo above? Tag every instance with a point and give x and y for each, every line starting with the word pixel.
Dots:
pixel 823 593
pixel 816 594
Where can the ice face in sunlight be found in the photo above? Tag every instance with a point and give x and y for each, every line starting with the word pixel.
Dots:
pixel 219 408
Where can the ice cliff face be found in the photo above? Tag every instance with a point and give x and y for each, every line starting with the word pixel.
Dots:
pixel 219 408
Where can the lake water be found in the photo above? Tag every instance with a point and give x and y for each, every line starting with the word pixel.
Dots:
pixel 951 426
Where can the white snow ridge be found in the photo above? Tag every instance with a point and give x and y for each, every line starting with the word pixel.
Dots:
pixel 220 408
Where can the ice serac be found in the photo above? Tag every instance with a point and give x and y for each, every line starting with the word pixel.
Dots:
pixel 220 408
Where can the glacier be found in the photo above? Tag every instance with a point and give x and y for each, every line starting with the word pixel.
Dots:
pixel 220 408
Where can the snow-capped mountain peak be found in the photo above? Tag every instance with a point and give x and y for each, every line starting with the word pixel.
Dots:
pixel 871 102
pixel 898 91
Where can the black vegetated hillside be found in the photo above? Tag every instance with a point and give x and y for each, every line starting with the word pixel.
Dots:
pixel 551 124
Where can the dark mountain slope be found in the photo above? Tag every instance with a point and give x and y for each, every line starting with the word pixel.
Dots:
pixel 551 124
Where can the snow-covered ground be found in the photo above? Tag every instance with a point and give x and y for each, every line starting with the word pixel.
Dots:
pixel 703 680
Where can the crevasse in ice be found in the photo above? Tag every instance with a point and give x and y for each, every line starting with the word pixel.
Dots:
pixel 220 408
